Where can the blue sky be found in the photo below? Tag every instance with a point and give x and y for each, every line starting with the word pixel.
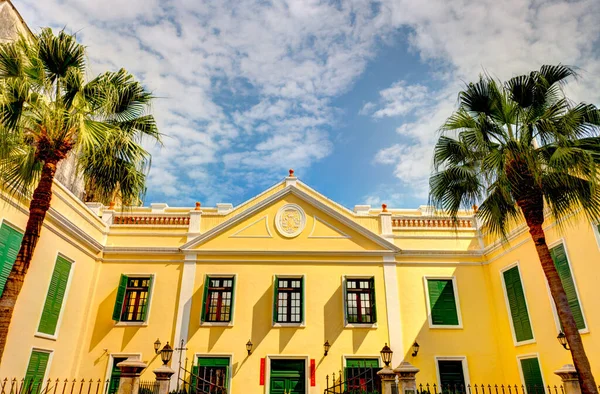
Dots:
pixel 349 93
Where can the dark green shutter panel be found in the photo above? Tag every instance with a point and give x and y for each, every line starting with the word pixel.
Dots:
pixel 373 301
pixel 55 296
pixel 345 295
pixel 517 304
pixel 532 375
pixel 302 299
pixel 452 377
pixel 561 262
pixel 275 297
pixel 10 243
pixel 120 298
pixel 232 298
pixel 38 362
pixel 194 379
pixel 442 302
pixel 147 306
pixel 213 362
pixel 362 363
pixel 205 297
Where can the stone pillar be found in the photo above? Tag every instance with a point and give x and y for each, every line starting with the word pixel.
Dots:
pixel 108 216
pixel 385 218
pixel 130 376
pixel 163 378
pixel 570 379
pixel 388 378
pixel 407 381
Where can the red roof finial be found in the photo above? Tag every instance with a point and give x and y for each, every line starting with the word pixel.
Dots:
pixel 198 205
pixel 111 206
pixel 384 208
pixel 291 172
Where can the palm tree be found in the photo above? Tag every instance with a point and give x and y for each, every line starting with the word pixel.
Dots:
pixel 521 148
pixel 47 111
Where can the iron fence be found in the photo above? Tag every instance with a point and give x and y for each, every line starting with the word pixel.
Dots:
pixel 58 386
pixel 354 380
pixel 149 387
pixel 201 381
pixel 488 389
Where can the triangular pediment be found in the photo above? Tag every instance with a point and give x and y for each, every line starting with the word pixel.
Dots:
pixel 290 220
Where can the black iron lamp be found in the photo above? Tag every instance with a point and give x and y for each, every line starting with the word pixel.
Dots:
pixel 562 339
pixel 386 355
pixel 249 347
pixel 166 353
pixel 156 345
pixel 415 349
pixel 326 347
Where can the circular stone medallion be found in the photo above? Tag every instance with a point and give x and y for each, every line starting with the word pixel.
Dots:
pixel 290 220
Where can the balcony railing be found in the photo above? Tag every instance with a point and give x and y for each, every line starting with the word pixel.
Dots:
pixel 152 220
pixel 432 222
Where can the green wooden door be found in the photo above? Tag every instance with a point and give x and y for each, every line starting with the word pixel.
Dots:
pixel 532 375
pixel 287 377
pixel 115 375
pixel 452 377
pixel 36 369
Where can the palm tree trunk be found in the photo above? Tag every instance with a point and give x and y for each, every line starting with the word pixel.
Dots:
pixel 565 315
pixel 40 203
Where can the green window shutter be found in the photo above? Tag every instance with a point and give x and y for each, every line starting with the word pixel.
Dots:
pixel 373 301
pixel 194 379
pixel 362 363
pixel 442 302
pixel 147 306
pixel 10 243
pixel 36 369
pixel 213 361
pixel 517 304
pixel 559 256
pixel 452 377
pixel 532 375
pixel 232 298
pixel 302 299
pixel 118 310
pixel 205 297
pixel 275 296
pixel 55 296
pixel 345 295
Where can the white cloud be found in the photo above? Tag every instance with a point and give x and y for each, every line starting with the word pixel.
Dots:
pixel 458 40
pixel 399 99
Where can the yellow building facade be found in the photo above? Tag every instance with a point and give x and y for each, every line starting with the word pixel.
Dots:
pixel 288 271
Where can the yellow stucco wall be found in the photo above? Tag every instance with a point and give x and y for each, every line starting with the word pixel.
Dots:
pixel 326 250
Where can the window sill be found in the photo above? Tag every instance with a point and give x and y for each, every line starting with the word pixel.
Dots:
pixel 289 325
pixel 216 324
pixel 584 331
pixel 361 325
pixel 131 324
pixel 45 336
pixel 434 327
pixel 523 343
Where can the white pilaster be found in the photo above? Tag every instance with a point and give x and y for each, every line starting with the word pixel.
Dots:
pixel 107 216
pixel 386 223
pixel 392 301
pixel 95 207
pixel 183 310
pixel 195 223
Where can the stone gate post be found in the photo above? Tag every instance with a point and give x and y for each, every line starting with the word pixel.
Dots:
pixel 407 381
pixel 130 376
pixel 163 378
pixel 388 378
pixel 570 379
